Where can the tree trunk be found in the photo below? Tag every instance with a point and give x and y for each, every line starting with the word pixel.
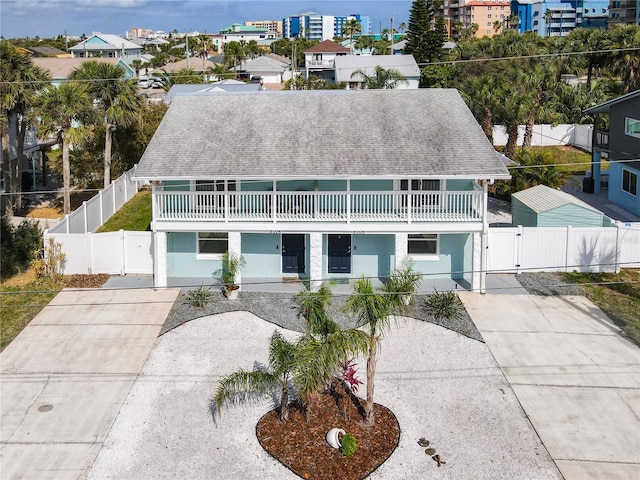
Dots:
pixel 108 137
pixel 528 133
pixel 22 130
pixel 512 141
pixel 6 168
pixel 66 175
pixel 487 124
pixel 371 371
pixel 284 402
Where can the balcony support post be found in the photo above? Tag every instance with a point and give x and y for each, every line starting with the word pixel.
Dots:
pixel 595 172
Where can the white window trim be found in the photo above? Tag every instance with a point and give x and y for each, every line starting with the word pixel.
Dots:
pixel 627 123
pixel 425 257
pixel 622 182
pixel 208 256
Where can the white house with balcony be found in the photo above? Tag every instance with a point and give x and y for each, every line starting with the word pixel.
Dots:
pixel 320 59
pixel 277 178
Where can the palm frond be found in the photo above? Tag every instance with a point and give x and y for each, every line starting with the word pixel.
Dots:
pixel 242 386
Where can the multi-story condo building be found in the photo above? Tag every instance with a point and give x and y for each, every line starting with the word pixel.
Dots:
pixel 461 14
pixel 320 27
pixel 272 25
pixel 564 16
pixel 365 23
pixel 624 11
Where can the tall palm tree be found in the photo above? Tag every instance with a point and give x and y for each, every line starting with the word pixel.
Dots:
pixel 402 27
pixel 497 26
pixel 350 28
pixel 66 111
pixel 262 382
pixel 115 96
pixel 201 45
pixel 372 311
pixel 548 15
pixel 20 81
pixel 382 78
pixel 626 62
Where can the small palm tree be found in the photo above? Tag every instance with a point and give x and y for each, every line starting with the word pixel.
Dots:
pixel 262 382
pixel 382 78
pixel 66 111
pixel 351 27
pixel 372 311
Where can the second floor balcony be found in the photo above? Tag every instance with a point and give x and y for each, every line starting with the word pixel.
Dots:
pixel 320 63
pixel 328 207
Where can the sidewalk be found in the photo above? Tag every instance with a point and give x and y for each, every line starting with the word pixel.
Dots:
pixel 65 377
pixel 575 374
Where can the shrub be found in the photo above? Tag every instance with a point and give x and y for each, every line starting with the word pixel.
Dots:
pixel 349 445
pixel 199 297
pixel 443 305
pixel 18 246
pixel 50 262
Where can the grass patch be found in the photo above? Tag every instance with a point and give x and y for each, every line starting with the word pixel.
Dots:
pixel 19 304
pixel 620 301
pixel 572 159
pixel 135 215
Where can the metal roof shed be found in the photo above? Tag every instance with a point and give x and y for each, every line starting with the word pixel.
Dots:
pixel 541 206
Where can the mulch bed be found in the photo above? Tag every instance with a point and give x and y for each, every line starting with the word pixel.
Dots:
pixel 299 443
pixel 85 281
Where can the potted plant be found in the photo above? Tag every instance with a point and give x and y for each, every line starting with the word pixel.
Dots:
pixel 402 283
pixel 231 265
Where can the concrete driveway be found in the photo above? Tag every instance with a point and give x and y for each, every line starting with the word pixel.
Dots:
pixel 65 377
pixel 575 374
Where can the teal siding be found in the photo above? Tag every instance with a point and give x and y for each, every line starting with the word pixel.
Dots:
pixel 261 252
pixel 176 185
pixel 296 185
pixel 181 257
pixel 371 185
pixel 459 185
pixel 256 186
pixel 332 185
pixel 573 215
pixel 521 214
pixel 455 259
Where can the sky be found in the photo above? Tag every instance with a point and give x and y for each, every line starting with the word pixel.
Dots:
pixel 49 18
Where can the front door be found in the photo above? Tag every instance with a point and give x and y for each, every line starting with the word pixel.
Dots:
pixel 339 253
pixel 293 253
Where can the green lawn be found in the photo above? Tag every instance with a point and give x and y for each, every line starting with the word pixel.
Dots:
pixel 575 159
pixel 620 301
pixel 135 215
pixel 19 304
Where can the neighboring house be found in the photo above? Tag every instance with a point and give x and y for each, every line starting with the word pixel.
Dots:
pixel 541 206
pixel 320 59
pixel 61 68
pixel 240 33
pixel 269 69
pixel 46 51
pixel 621 144
pixel 272 176
pixel 105 45
pixel 215 87
pixel 345 66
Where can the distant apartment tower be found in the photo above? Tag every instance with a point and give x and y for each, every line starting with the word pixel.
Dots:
pixel 271 25
pixel 461 14
pixel 563 16
pixel 138 33
pixel 319 27
pixel 624 11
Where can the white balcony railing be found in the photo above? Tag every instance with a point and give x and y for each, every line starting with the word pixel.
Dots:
pixel 320 63
pixel 384 207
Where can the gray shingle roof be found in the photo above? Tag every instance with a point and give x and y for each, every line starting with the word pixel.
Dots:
pixel 321 134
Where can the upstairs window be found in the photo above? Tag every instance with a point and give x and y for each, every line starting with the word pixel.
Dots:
pixel 629 182
pixel 632 127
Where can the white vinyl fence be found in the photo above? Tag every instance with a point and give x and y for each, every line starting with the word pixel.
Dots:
pixel 545 135
pixel 548 249
pixel 94 212
pixel 116 253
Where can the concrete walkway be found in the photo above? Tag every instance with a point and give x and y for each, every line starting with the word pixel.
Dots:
pixel 575 374
pixel 65 377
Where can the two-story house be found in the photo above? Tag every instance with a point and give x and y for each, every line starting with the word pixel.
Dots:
pixel 106 45
pixel 320 185
pixel 621 144
pixel 320 59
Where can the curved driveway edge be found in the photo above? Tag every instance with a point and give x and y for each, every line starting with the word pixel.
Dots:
pixel 576 375
pixel 65 377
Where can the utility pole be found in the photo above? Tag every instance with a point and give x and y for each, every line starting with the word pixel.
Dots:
pixel 392 38
pixel 186 38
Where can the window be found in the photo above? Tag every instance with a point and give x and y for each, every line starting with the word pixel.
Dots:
pixel 212 243
pixel 632 127
pixel 629 182
pixel 489 16
pixel 489 8
pixel 220 186
pixel 501 8
pixel 421 185
pixel 423 244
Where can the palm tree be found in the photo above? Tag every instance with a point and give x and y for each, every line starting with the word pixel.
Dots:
pixel 382 78
pixel 372 312
pixel 66 111
pixel 262 382
pixel 402 27
pixel 351 27
pixel 548 15
pixel 136 63
pixel 626 62
pixel 497 26
pixel 20 81
pixel 116 97
pixel 201 45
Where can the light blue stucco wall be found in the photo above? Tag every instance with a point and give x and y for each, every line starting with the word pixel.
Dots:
pixel 181 257
pixel 616 194
pixel 262 254
pixel 456 256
